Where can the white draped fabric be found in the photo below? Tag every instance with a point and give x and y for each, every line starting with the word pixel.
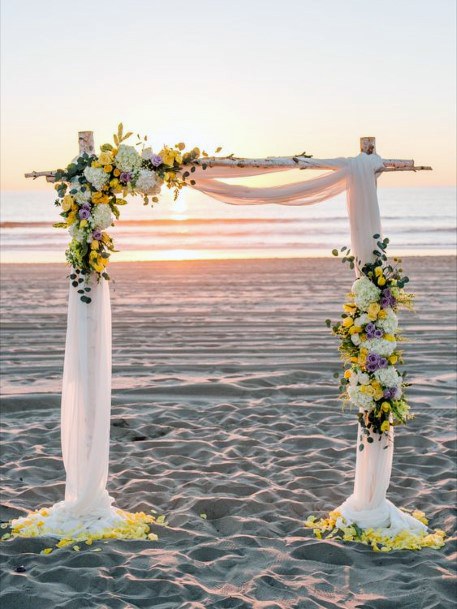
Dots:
pixel 368 506
pixel 86 394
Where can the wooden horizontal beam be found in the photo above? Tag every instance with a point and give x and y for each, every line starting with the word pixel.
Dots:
pixel 367 145
pixel 286 162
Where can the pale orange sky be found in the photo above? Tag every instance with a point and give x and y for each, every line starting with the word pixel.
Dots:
pixel 259 78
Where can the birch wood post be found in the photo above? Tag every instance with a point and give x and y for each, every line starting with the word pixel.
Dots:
pixel 86 142
pixel 368 145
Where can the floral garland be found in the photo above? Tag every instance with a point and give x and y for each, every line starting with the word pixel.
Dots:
pixel 92 187
pixel 369 336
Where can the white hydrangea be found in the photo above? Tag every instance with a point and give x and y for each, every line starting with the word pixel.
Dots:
pixel 363 378
pixel 365 292
pixel 380 346
pixel 388 377
pixel 355 339
pixel 127 158
pixel 81 196
pixel 147 154
pixel 362 320
pixel 146 181
pixel 77 233
pixel 102 216
pixel 96 176
pixel 362 400
pixel 390 323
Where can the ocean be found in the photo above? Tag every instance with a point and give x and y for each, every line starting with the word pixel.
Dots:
pixel 418 221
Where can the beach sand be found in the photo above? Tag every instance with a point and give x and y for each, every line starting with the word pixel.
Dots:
pixel 224 404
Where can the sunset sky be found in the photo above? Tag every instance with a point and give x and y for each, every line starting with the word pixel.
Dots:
pixel 258 77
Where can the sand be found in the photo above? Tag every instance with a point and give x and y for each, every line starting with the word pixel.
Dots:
pixel 224 404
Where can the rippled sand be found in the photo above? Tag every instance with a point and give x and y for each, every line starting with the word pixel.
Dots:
pixel 224 404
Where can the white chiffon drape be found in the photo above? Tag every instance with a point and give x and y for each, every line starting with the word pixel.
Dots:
pixel 368 506
pixel 86 393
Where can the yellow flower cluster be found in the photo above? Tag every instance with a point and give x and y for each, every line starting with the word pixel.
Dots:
pixel 335 527
pixel 134 525
pixel 170 156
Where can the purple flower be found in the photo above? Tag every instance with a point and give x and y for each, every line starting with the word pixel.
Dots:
pixel 86 206
pixel 84 214
pixel 373 358
pixel 378 333
pixel 125 177
pixel 390 393
pixel 97 234
pixel 387 299
pixel 375 361
pixel 156 160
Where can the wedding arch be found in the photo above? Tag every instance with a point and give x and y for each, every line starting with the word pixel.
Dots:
pixel 90 191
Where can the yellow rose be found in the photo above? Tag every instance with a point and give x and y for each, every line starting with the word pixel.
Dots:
pixel 382 314
pixel 389 337
pixel 348 322
pixel 393 359
pixel 113 183
pixel 67 203
pixel 167 155
pixel 108 168
pixel 373 311
pixel 378 393
pixel 105 158
pixel 71 218
pixel 378 271
pixel 95 164
pixel 349 309
pixel 355 330
pixel 381 282
pixel 385 426
pixel 94 245
pixel 117 173
pixel 82 223
pixel 347 374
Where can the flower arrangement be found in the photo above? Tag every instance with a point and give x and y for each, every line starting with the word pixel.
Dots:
pixel 369 336
pixel 93 187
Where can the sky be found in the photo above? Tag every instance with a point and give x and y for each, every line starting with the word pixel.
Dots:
pixel 258 77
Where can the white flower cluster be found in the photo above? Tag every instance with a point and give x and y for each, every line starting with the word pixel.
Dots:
pixel 390 323
pixel 388 377
pixel 102 216
pixel 80 196
pixel 78 233
pixel 96 176
pixel 365 292
pixel 146 182
pixel 359 399
pixel 147 154
pixel 361 378
pixel 127 158
pixel 380 346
